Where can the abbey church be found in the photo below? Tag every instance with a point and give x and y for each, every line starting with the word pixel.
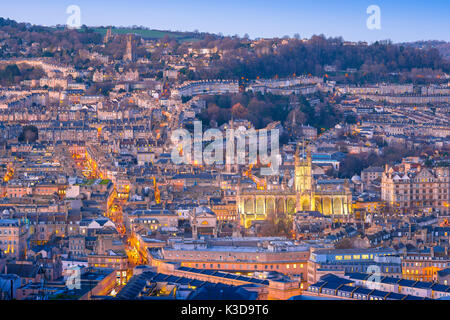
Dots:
pixel 332 198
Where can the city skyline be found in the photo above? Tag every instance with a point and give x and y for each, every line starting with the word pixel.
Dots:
pixel 166 166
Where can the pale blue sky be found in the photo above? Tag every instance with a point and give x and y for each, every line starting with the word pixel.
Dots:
pixel 401 20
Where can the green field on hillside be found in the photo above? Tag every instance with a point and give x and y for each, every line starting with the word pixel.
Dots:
pixel 151 34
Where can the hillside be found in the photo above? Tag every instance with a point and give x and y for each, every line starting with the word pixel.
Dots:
pixel 152 34
pixel 442 46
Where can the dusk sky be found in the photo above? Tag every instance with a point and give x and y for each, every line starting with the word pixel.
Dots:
pixel 401 20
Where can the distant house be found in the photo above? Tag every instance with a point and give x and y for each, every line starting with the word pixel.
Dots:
pixel 89 226
pixel 203 222
pixel 443 276
pixel 370 174
pixel 28 273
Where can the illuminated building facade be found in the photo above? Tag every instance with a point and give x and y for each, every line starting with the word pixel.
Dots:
pixel 245 259
pixel 406 189
pixel 12 238
pixel 332 198
pixel 423 267
pixel 325 261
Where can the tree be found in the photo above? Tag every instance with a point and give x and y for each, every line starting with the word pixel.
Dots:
pixel 185 99
pixel 345 243
pixel 29 134
pixel 239 111
pixel 351 165
pixel 277 225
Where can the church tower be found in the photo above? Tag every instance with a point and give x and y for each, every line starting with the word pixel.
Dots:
pixel 129 51
pixel 304 185
pixel 108 35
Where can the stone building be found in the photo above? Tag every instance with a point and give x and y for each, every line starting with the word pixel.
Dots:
pixel 332 198
pixel 408 189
